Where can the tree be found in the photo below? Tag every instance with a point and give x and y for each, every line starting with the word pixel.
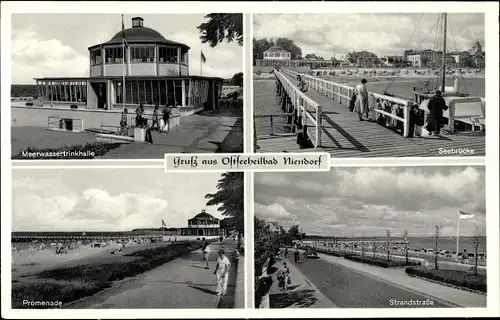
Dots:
pixel 262 45
pixel 436 240
pixel 237 79
pixel 294 233
pixel 230 198
pixel 405 238
pixel 408 51
pixel 475 242
pixel 388 233
pixel 222 26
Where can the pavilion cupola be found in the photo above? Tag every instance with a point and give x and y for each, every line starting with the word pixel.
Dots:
pixel 137 22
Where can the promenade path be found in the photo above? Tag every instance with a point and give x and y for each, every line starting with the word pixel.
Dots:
pixel 345 136
pixel 357 285
pixel 302 293
pixel 182 283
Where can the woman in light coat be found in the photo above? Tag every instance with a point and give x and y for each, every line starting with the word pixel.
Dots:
pixel 361 103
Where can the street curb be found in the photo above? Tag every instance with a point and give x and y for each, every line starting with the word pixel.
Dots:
pixel 448 284
pixel 239 290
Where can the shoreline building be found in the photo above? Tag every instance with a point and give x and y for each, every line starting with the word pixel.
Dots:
pixel 138 65
pixel 276 56
pixel 203 224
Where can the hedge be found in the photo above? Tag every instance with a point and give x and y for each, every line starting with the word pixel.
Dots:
pixel 455 277
pixel 380 262
pixel 262 288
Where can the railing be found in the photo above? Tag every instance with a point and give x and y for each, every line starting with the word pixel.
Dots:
pixel 344 94
pixel 272 123
pixel 306 107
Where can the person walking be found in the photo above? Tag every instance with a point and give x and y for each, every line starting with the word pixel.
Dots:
pixel 166 118
pixel 156 119
pixel 361 103
pixel 123 123
pixel 437 105
pixel 222 272
pixel 205 250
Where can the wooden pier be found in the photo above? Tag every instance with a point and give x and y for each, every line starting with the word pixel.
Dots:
pixel 340 132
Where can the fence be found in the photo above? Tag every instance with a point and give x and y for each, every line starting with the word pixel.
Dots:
pixel 307 110
pixel 344 93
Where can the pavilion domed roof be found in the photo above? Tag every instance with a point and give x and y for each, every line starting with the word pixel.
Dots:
pixel 204 215
pixel 141 34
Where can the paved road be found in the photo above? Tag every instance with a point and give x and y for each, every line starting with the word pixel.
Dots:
pixel 181 283
pixel 347 288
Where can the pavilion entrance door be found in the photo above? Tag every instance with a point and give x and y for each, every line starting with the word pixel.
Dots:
pixel 100 90
pixel 200 232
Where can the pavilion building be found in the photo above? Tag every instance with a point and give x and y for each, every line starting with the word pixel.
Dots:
pixel 203 224
pixel 136 66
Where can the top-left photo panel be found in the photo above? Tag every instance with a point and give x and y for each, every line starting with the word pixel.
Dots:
pixel 113 86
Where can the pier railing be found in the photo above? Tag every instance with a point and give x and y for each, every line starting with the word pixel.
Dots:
pixel 308 110
pixel 273 125
pixel 343 95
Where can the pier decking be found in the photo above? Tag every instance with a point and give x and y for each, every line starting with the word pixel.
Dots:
pixel 343 135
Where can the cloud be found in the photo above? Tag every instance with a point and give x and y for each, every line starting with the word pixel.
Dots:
pixel 326 34
pixel 107 200
pixel 32 57
pixel 374 198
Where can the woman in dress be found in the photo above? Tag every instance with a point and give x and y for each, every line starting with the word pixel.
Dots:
pixel 361 104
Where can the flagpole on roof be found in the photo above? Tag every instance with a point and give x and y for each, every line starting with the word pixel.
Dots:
pixel 458 230
pixel 123 65
pixel 201 62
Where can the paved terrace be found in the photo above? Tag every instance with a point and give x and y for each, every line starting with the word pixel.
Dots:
pixel 345 136
pixel 205 132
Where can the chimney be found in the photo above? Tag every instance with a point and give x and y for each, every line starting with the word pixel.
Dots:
pixel 137 22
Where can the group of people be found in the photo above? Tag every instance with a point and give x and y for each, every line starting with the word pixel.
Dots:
pixel 436 106
pixel 221 271
pixel 160 122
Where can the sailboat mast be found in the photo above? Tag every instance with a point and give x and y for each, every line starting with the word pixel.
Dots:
pixel 443 78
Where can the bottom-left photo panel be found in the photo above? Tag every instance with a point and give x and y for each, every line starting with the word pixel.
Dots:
pixel 127 238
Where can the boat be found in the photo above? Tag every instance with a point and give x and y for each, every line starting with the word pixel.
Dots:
pixel 465 113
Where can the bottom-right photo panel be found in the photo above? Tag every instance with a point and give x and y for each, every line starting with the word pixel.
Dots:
pixel 371 237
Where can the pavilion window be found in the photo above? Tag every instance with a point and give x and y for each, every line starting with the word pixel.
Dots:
pixel 184 57
pixel 163 92
pixel 148 94
pixel 187 87
pixel 167 54
pixel 96 57
pixel 170 92
pixel 178 92
pixel 114 55
pixel 142 54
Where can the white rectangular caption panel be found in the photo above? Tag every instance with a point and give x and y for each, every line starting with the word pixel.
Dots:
pixel 284 162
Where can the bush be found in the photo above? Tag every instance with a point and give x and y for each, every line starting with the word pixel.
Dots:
pixel 29 103
pixel 76 282
pixel 50 291
pixel 262 288
pixel 73 106
pixel 98 148
pixel 380 262
pixel 454 277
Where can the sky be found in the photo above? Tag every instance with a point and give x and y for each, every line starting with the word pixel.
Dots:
pixel 56 45
pixel 380 33
pixel 107 199
pixel 353 201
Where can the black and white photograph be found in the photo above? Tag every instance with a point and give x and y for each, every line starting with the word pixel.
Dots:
pixel 112 86
pixel 371 237
pixel 127 239
pixel 370 84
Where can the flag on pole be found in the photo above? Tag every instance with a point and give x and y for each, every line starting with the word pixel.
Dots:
pixel 203 59
pixel 163 223
pixel 123 24
pixel 464 215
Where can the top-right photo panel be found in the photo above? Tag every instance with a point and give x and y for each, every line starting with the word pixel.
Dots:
pixel 370 84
